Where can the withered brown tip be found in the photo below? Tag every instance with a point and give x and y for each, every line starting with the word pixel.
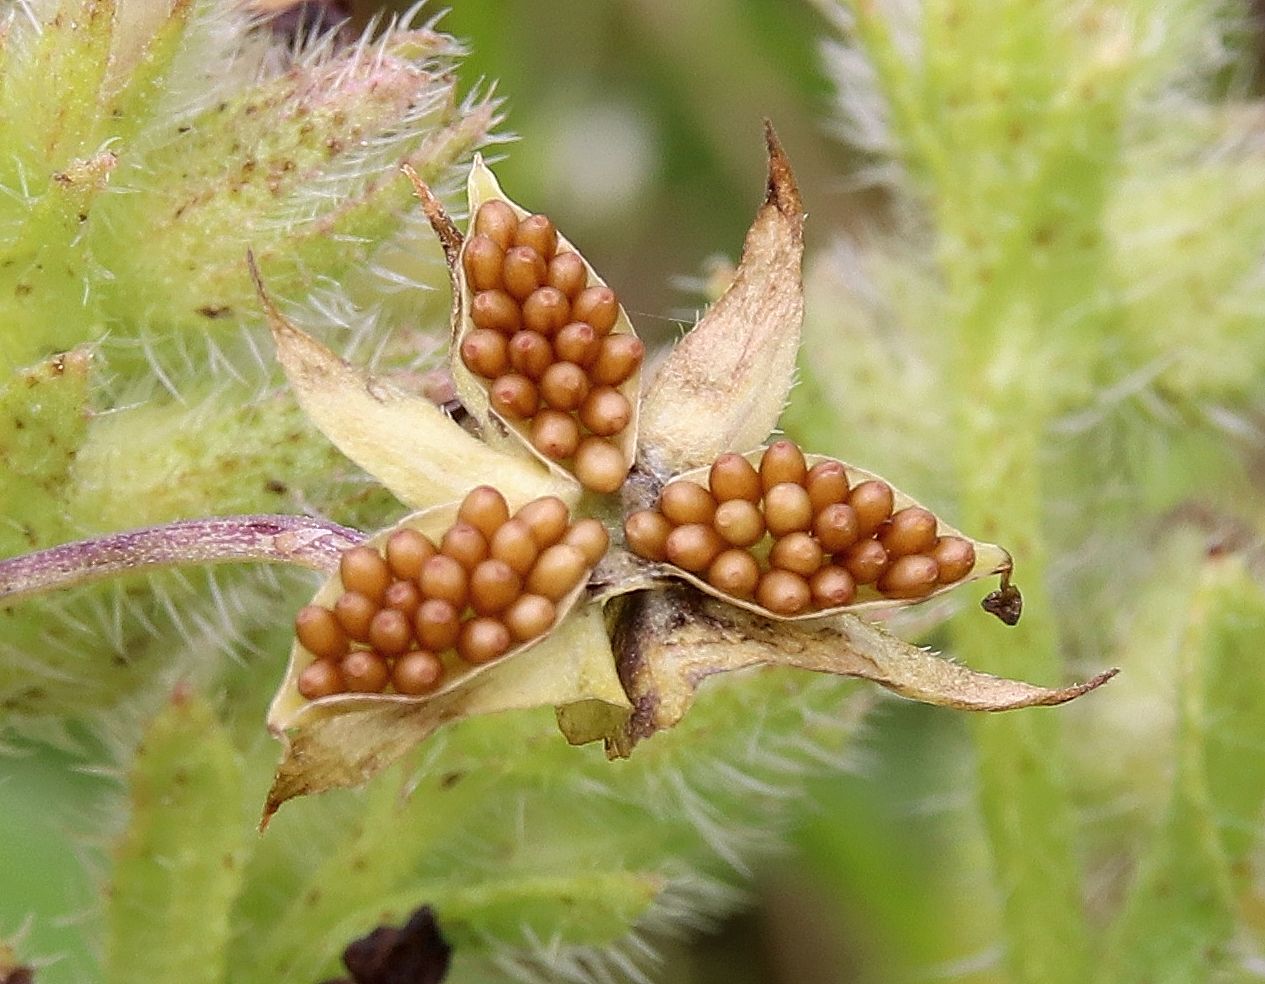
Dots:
pixel 449 235
pixel 1006 603
pixel 782 191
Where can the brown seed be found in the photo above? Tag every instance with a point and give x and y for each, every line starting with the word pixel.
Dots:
pixel 496 220
pixel 865 561
pixel 493 586
pixel 445 579
pixel 787 509
pixel 597 306
pixel 319 633
pixel 782 462
pixel 735 572
pixel 354 613
pixel 485 509
pixel 599 465
pixel 836 527
pixel 482 259
pixel 911 576
pixel 531 615
pixel 872 501
pixel 513 543
pixel 798 553
pixel 646 533
pixel 523 271
pixel 485 353
pixel 911 530
pixel 364 672
pixel 321 679
pixel 514 397
pixel 464 544
pixel 577 342
pixel 733 477
pixel 403 596
pixel 954 556
pixel 783 593
pixel 827 484
pixel 496 311
pixel 739 522
pixel 437 623
pixel 557 571
pixel 390 632
pixel 832 587
pixel 693 547
pixel 684 502
pixel 530 353
pixel 547 518
pixel 564 386
pixel 605 411
pixel 407 550
pixel 617 359
pixel 555 434
pixel 538 232
pixel 364 571
pixel 482 640
pixel 546 310
pixel 417 673
pixel 567 273
pixel 589 536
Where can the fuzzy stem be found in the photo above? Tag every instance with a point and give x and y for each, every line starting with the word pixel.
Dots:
pixel 298 540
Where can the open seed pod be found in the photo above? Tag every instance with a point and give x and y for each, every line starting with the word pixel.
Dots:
pixel 794 536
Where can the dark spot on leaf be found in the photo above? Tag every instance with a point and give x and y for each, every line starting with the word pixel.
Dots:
pixel 276 487
pixel 451 779
pixel 416 953
pixel 18 975
pixel 215 311
pixel 21 290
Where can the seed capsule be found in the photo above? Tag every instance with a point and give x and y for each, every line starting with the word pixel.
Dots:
pixel 685 502
pixel 364 672
pixel 783 593
pixel 597 306
pixel 693 547
pixel 321 679
pixel 514 397
pixel 912 576
pixel 404 597
pixel 513 543
pixel 319 633
pixel 910 531
pixel 564 386
pixel 872 501
pixel 390 632
pixel 547 518
pixel 827 484
pixel 445 579
pixel 530 353
pixel 523 271
pixel 787 509
pixel 485 353
pixel 493 587
pixel 836 527
pixel 496 311
pixel 739 522
pixel 646 533
pixel 832 587
pixel 437 623
pixel 538 232
pixel 417 673
pixel 354 613
pixel 865 561
pixel 364 571
pixel 605 411
pixel 558 569
pixel 530 616
pixel 485 509
pixel 617 359
pixel 589 536
pixel 798 553
pixel 954 558
pixel 546 311
pixel 567 273
pixel 407 550
pixel 599 465
pixel 577 342
pixel 734 572
pixel 464 544
pixel 555 434
pixel 733 477
pixel 496 220
pixel 482 261
pixel 482 640
pixel 782 462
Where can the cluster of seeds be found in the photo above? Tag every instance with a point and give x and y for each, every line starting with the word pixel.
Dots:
pixel 797 539
pixel 416 613
pixel 543 338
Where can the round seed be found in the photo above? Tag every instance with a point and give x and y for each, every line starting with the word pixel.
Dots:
pixel 485 509
pixel 646 533
pixel 482 260
pixel 445 579
pixel 523 271
pixel 485 353
pixel 865 561
pixel 531 615
pixel 911 576
pixel 493 586
pixel 319 633
pixel 547 518
pixel 739 522
pixel 599 465
pixel 513 544
pixel 496 220
pixel 798 553
pixel 735 572
pixel 588 536
pixel 684 502
pixel 872 501
pixel 693 547
pixel 558 569
pixel 733 477
pixel 407 550
pixel 827 484
pixel 783 593
pixel 954 557
pixel 320 679
pixel 567 273
pixel 464 544
pixel 437 623
pixel 514 397
pixel 364 571
pixel 354 613
pixel 496 311
pixel 564 386
pixel 910 531
pixel 577 342
pixel 555 434
pixel 404 597
pixel 618 358
pixel 787 509
pixel 417 673
pixel 832 587
pixel 538 232
pixel 364 672
pixel 605 411
pixel 597 306
pixel 530 353
pixel 836 527
pixel 390 632
pixel 482 640
pixel 782 462
pixel 546 310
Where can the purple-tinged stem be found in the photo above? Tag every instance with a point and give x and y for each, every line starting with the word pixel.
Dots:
pixel 297 540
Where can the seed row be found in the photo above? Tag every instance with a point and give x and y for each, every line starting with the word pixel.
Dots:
pixel 797 539
pixel 414 613
pixel 543 339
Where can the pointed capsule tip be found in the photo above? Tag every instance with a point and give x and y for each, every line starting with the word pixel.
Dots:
pixel 782 190
pixel 450 237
